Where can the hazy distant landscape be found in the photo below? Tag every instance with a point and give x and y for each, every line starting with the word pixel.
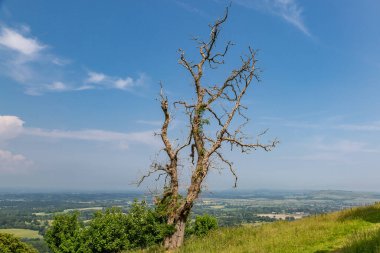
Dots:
pixel 27 215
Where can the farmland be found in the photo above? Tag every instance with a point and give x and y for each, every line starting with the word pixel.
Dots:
pixel 22 233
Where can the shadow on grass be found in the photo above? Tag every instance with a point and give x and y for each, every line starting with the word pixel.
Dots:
pixel 368 242
pixel 369 214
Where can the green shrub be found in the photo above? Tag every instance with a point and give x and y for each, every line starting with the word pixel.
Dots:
pixel 64 235
pixel 106 232
pixel 202 225
pixel 109 231
pixel 146 227
pixel 11 244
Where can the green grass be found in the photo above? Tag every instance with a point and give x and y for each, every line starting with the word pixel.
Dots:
pixel 350 231
pixel 367 242
pixel 21 233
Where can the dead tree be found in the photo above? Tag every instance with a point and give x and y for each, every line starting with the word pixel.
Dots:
pixel 214 107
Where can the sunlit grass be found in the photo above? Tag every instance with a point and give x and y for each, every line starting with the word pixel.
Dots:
pixel 21 233
pixel 365 242
pixel 348 231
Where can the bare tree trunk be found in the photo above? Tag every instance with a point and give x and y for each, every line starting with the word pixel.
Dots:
pixel 176 239
pixel 210 114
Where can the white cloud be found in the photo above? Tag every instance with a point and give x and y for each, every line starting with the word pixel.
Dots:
pixel 288 10
pixel 16 41
pixel 10 163
pixel 115 82
pixel 124 83
pixel 27 61
pixel 94 77
pixel 57 86
pixel 10 127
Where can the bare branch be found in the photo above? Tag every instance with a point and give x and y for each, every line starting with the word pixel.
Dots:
pixel 165 125
pixel 230 166
pixel 245 147
pixel 155 167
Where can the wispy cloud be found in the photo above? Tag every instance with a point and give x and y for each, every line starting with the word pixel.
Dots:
pixel 101 80
pixel 57 86
pixel 150 122
pixel 145 137
pixel 342 146
pixel 334 123
pixel 335 150
pixel 190 8
pixel 30 62
pixel 12 127
pixel 374 126
pixel 94 77
pixel 289 10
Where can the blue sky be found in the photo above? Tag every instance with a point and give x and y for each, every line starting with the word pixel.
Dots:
pixel 79 83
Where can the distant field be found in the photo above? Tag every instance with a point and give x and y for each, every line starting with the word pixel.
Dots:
pixel 281 216
pixel 22 233
pixel 95 208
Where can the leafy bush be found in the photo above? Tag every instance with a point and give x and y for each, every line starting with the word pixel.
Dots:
pixel 109 231
pixel 64 236
pixel 11 244
pixel 202 225
pixel 146 227
pixel 106 232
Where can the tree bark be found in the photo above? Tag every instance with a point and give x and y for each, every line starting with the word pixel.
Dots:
pixel 176 239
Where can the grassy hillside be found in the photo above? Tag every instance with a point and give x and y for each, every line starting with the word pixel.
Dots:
pixel 354 230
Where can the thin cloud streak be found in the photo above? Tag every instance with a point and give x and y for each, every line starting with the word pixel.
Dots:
pixel 339 150
pixel 375 126
pixel 288 10
pixel 368 127
pixel 150 122
pixel 12 127
pixel 97 80
pixel 192 9
pixel 145 137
